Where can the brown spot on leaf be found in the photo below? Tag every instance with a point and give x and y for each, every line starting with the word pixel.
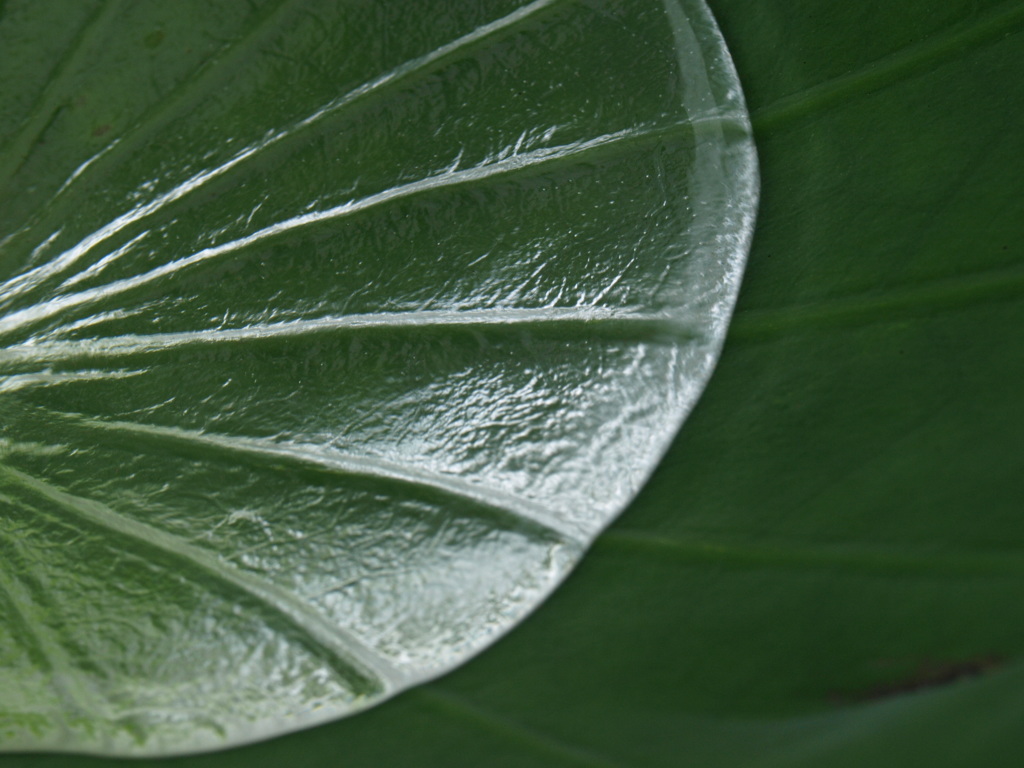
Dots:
pixel 101 129
pixel 929 674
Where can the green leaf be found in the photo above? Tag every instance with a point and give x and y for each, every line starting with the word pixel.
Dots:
pixel 840 518
pixel 331 334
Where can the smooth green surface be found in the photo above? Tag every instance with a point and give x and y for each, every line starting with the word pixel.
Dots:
pixel 843 511
pixel 306 399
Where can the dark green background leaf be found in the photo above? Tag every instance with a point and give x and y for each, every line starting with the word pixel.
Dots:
pixel 841 519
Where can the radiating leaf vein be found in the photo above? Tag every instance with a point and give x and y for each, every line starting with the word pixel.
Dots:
pixel 354 660
pixel 953 42
pixel 210 74
pixel 521 509
pixel 34 277
pixel 608 320
pixel 884 307
pixel 69 686
pixel 694 551
pixel 542 743
pixel 17 150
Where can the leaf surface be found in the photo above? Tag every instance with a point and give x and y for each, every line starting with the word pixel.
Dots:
pixel 332 334
pixel 840 519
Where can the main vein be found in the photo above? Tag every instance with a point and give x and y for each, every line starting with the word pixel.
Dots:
pixel 630 324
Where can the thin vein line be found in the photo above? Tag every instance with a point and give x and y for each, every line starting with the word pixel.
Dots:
pixel 210 73
pixel 335 462
pixel 17 382
pixel 166 110
pixel 706 552
pixel 353 655
pixel 15 153
pixel 53 656
pixel 46 352
pixel 66 681
pixel 967 290
pixel 508 729
pixel 890 69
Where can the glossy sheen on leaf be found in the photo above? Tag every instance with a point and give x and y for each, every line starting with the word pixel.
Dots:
pixel 331 334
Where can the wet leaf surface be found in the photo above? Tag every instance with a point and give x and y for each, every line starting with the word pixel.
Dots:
pixel 331 335
pixel 842 509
